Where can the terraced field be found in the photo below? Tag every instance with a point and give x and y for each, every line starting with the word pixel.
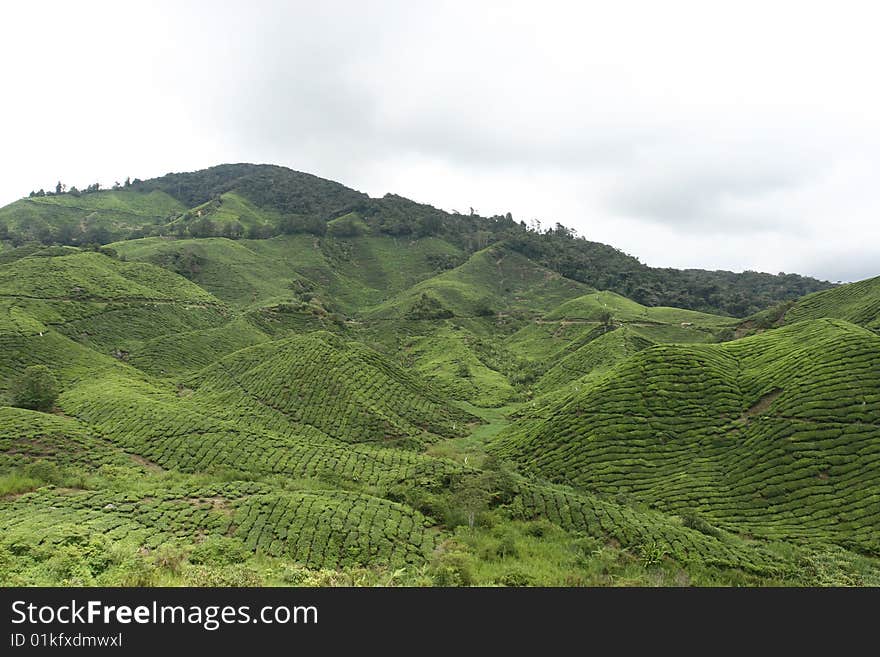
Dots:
pixel 595 357
pixel 107 214
pixel 858 303
pixel 642 530
pixel 97 277
pixel 764 435
pixel 345 390
pixel 334 529
pixel 383 400
pixel 350 274
pixel 492 281
pixel 320 529
pixel 28 437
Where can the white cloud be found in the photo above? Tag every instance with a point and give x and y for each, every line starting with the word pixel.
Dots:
pixel 686 133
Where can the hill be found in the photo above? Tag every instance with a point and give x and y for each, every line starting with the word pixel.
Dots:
pixel 492 281
pixel 102 302
pixel 593 358
pixel 349 274
pixel 858 303
pixel 265 185
pixel 93 276
pixel 261 201
pixel 94 218
pixel 250 375
pixel 345 390
pixel 743 433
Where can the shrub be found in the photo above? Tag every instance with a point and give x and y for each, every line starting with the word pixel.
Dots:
pixel 452 566
pixel 237 575
pixel 694 521
pixel 516 577
pixel 484 308
pixel 539 528
pixel 37 389
pixel 219 551
pixel 170 557
pixel 44 471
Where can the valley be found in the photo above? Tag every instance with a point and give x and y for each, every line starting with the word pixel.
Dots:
pixel 252 376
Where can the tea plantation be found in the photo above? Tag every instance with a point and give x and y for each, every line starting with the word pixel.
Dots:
pixel 250 376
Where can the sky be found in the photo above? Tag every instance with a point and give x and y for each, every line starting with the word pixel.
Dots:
pixel 720 135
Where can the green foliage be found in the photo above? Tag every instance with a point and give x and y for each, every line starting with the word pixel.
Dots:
pixel 277 380
pixel 741 433
pixel 428 307
pixel 858 303
pixel 219 551
pixel 349 225
pixel 37 389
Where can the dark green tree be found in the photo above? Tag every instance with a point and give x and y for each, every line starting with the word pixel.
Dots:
pixel 37 389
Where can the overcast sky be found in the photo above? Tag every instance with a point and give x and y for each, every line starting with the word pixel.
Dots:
pixel 724 135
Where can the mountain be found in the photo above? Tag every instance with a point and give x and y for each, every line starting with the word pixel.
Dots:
pixel 260 201
pixel 249 375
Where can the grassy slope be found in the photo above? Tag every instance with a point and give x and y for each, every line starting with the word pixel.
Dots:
pixel 593 358
pixel 112 210
pixel 352 274
pixel 448 358
pixel 230 208
pixel 102 302
pixel 84 275
pixel 858 303
pixel 591 306
pixel 501 281
pixel 345 390
pixel 209 392
pixel 113 410
pixel 773 435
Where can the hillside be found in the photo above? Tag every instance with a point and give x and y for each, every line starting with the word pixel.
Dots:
pixel 742 433
pixel 492 281
pixel 252 376
pixel 268 271
pixel 345 390
pixel 858 303
pixel 98 217
pixel 238 201
pixel 594 357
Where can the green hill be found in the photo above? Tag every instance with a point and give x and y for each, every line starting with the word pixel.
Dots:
pixel 98 217
pixel 592 307
pixel 593 358
pixel 492 281
pixel 103 302
pixel 261 201
pixel 774 435
pixel 858 303
pixel 254 376
pixel 288 268
pixel 265 185
pixel 92 276
pixel 345 390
